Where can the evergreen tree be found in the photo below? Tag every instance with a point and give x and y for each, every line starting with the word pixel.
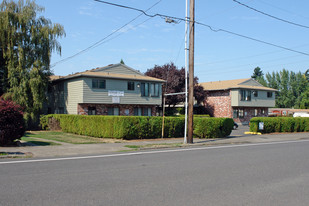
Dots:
pixel 26 45
pixel 257 73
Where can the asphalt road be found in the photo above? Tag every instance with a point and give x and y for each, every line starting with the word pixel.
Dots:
pixel 258 174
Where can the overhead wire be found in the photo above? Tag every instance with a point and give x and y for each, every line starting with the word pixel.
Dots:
pixel 206 25
pixel 271 16
pixel 104 40
pixel 281 9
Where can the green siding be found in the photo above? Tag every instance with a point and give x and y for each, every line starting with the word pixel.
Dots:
pixel 100 96
pixel 261 101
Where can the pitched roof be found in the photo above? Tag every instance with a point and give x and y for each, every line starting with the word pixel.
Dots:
pixel 98 73
pixel 234 84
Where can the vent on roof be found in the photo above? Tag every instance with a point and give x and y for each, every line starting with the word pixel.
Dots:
pixel 110 65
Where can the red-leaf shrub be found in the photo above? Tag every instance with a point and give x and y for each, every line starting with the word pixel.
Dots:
pixel 11 122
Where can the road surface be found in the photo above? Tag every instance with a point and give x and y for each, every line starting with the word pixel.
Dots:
pixel 249 174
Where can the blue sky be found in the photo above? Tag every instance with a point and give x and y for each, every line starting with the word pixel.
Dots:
pixel 146 41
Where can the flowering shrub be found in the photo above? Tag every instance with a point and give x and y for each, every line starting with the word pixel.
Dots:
pixel 11 122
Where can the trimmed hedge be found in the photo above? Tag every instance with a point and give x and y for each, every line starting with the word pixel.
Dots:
pixel 135 127
pixel 280 124
pixel 213 127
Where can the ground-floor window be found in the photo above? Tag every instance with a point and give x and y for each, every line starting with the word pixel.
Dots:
pixel 238 113
pixel 112 111
pixel 92 111
pixel 142 111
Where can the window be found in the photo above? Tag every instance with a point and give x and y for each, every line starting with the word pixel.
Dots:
pixel 130 85
pixel 142 111
pixel 137 111
pixel 241 113
pixel 245 95
pixel 113 111
pixel 91 111
pixel 255 93
pixel 269 94
pixel 238 113
pixel 154 90
pixel 255 112
pixel 146 111
pixel 145 89
pixel 127 112
pixel 98 84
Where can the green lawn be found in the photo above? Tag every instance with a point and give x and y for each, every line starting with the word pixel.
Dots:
pixel 26 138
pixel 65 137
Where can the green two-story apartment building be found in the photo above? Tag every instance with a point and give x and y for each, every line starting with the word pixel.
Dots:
pixel 112 90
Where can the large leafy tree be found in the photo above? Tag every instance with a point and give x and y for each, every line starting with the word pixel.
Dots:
pixel 175 82
pixel 26 45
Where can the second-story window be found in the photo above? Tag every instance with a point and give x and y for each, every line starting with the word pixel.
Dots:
pixel 98 84
pixel 130 85
pixel 255 93
pixel 269 94
pixel 145 89
pixel 154 90
pixel 245 95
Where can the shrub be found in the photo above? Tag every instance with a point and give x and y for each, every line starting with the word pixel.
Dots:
pixel 137 127
pixel 11 122
pixel 213 127
pixel 280 124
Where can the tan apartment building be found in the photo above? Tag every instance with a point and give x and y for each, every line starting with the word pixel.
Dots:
pixel 240 99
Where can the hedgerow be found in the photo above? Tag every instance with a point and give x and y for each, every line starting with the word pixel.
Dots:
pixel 136 127
pixel 280 124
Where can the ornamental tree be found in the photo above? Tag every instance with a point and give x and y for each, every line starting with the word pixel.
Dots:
pixel 11 122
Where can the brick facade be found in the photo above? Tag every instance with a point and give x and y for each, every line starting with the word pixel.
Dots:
pixel 102 109
pixel 218 104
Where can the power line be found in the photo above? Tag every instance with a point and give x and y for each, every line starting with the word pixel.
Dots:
pixel 104 40
pixel 271 16
pixel 284 10
pixel 210 27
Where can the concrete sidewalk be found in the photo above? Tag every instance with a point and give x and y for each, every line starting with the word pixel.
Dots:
pixel 66 149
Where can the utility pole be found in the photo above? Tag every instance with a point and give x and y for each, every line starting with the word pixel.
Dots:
pixel 186 75
pixel 191 73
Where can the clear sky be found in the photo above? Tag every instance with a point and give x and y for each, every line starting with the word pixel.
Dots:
pixel 146 42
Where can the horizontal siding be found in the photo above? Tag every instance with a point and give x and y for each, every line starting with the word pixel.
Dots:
pixel 75 94
pixel 100 96
pixel 261 101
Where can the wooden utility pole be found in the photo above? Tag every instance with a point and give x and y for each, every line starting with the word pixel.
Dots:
pixel 191 73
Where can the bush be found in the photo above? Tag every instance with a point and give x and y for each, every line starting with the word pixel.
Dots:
pixel 11 122
pixel 213 127
pixel 280 124
pixel 136 127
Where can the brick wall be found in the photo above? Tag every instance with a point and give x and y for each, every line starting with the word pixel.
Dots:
pixel 218 103
pixel 101 109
